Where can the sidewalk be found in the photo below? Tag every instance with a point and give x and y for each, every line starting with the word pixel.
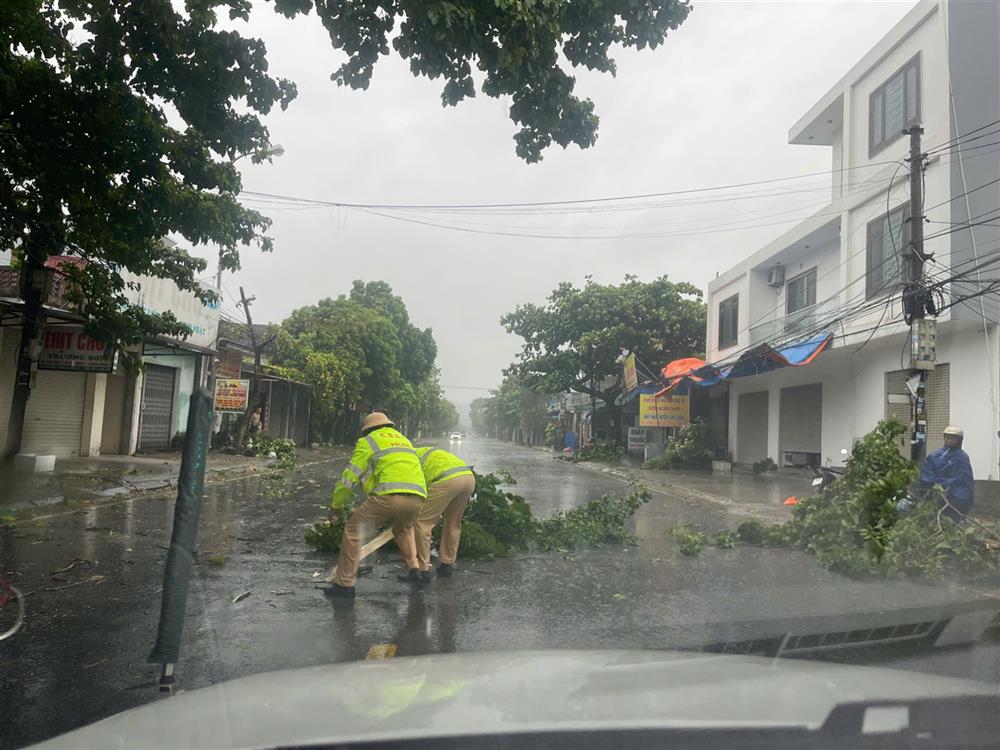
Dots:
pixel 104 477
pixel 760 496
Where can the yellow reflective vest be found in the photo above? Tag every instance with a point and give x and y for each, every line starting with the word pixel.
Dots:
pixel 439 465
pixel 385 463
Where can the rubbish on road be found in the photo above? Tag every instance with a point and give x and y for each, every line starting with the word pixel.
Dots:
pixel 283 592
pixel 240 597
pixel 217 560
pixel 91 579
pixel 70 565
pixel 379 541
pixel 791 500
pixel 618 597
pixel 316 574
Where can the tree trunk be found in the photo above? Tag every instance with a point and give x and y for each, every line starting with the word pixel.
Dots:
pixel 31 292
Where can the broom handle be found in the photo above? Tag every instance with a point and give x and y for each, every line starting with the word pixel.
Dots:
pixel 367 549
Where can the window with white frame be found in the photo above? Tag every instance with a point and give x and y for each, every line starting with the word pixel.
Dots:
pixel 894 106
pixel 801 292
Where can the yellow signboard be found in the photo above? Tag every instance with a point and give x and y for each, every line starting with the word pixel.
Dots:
pixel 663 411
pixel 631 379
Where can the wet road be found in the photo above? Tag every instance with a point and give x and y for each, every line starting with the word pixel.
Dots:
pixel 81 654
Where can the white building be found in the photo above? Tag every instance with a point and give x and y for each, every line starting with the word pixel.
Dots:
pixel 838 271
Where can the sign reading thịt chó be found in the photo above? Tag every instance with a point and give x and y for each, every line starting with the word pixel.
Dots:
pixel 70 349
pixel 231 395
pixel 663 411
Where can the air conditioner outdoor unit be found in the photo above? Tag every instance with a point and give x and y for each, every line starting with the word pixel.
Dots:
pixel 776 276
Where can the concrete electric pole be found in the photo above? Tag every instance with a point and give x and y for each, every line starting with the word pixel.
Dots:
pixel 922 330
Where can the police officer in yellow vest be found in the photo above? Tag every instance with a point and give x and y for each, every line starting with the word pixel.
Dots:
pixel 450 484
pixel 389 470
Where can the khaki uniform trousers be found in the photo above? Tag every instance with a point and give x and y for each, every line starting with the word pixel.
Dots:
pixel 371 515
pixel 447 498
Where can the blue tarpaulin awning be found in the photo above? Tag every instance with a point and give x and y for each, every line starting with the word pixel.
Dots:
pixel 761 359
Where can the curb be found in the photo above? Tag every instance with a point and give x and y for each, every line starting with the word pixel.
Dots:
pixel 688 494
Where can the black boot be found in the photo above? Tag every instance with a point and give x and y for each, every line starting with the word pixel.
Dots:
pixel 445 570
pixel 341 592
pixel 425 576
pixel 411 576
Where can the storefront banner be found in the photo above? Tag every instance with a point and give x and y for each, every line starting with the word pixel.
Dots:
pixel 663 411
pixel 231 396
pixel 631 378
pixel 70 349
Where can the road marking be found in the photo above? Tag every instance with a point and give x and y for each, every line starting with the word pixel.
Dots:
pixel 381 651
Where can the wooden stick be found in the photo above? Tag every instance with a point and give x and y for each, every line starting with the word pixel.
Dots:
pixel 366 550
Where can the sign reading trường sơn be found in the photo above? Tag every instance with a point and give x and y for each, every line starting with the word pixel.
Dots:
pixel 70 349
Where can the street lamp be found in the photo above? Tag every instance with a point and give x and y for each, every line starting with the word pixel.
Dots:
pixel 271 151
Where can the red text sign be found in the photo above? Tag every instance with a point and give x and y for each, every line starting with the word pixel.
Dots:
pixel 72 349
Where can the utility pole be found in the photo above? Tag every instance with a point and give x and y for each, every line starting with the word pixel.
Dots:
pixel 254 395
pixel 922 331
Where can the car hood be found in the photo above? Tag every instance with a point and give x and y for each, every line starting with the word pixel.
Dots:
pixel 506 692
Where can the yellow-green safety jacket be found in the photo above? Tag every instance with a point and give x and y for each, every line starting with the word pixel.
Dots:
pixel 385 463
pixel 439 465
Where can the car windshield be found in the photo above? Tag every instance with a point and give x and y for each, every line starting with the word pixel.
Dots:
pixel 336 332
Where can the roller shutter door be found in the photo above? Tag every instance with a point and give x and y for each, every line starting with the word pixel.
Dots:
pixel 751 427
pixel 802 418
pixel 53 421
pixel 157 408
pixel 8 361
pixel 938 394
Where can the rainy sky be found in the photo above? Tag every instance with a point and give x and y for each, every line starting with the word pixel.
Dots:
pixel 710 107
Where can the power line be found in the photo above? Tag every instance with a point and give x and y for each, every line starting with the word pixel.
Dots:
pixel 578 201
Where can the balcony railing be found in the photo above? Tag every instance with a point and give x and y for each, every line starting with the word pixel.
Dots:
pixel 800 322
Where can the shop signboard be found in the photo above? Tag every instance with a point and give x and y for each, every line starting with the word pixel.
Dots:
pixel 230 365
pixel 231 396
pixel 631 377
pixel 663 411
pixel 70 349
pixel 636 439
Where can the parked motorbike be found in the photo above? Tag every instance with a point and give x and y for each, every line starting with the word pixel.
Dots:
pixel 824 476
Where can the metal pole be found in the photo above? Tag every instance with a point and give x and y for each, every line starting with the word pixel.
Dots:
pixel 180 558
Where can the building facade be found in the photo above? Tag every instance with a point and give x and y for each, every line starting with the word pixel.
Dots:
pixel 839 272
pixel 83 402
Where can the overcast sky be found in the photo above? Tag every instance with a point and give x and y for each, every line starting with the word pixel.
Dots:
pixel 712 106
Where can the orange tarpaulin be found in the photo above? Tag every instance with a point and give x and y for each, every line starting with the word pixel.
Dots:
pixel 677 370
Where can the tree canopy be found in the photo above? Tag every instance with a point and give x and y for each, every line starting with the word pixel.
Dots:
pixel 359 352
pixel 511 406
pixel 120 121
pixel 575 340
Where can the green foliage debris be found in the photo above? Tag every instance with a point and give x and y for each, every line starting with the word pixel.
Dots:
pixel 283 448
pixel 764 465
pixel 498 522
pixel 690 542
pixel 597 453
pixel 852 527
pixel 690 448
pixel 325 536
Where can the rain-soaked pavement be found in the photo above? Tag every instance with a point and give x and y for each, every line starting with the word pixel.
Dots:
pixel 94 576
